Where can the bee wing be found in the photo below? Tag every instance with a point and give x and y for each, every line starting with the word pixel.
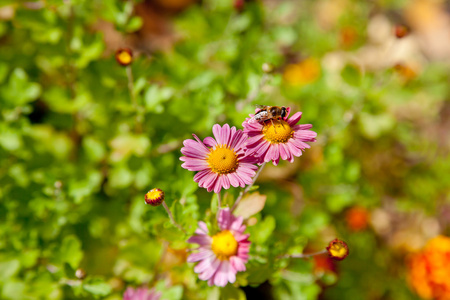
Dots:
pixel 260 106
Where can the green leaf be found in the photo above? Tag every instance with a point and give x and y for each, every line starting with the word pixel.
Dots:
pixel 9 269
pixel 262 230
pixel 19 90
pixel 258 273
pixel 230 292
pixel 3 71
pixel 134 24
pixel 70 251
pixel 97 287
pixel 172 293
pixel 372 126
pixel 13 290
pixel 351 75
pixel 155 96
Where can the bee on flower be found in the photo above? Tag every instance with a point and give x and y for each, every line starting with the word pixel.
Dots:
pixel 281 138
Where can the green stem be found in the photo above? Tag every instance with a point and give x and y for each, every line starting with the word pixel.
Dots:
pixel 172 219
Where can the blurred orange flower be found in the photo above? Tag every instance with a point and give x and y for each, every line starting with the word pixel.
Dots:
pixel 406 72
pixel 323 264
pixel 348 37
pixel 357 218
pixel 303 72
pixel 429 271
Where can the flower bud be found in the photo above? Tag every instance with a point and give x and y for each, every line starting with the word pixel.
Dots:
pixel 239 5
pixel 154 197
pixel 124 56
pixel 337 249
pixel 80 273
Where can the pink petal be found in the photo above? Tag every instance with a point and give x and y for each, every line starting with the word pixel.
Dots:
pixel 218 185
pixel 233 180
pixel 209 141
pixel 299 144
pixel 194 152
pixel 226 133
pixel 276 161
pixel 221 276
pixel 237 263
pixel 288 111
pixel 205 264
pixel 211 270
pixel 199 256
pixel 294 150
pixel 283 153
pixel 194 164
pixel 224 219
pixel 272 153
pixel 264 148
pixel 209 181
pixel 217 133
pixel 254 140
pixel 231 274
pixel 242 238
pixel 246 169
pixel 202 227
pixel 237 223
pixel 247 179
pixel 302 127
pixel 305 135
pixel 202 240
pixel 225 181
pixel 294 119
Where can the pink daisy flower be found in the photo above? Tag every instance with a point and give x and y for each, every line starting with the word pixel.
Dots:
pixel 141 294
pixel 222 255
pixel 281 139
pixel 220 162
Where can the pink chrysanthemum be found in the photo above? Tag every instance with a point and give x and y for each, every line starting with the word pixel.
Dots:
pixel 222 255
pixel 223 164
pixel 281 139
pixel 141 294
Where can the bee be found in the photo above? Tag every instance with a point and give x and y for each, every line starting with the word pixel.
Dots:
pixel 269 113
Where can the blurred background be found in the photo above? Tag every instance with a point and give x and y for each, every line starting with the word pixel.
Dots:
pixel 83 138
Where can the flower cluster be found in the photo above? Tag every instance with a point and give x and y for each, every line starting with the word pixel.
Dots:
pixel 428 269
pixel 231 158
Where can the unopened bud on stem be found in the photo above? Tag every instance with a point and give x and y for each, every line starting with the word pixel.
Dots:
pixel 154 197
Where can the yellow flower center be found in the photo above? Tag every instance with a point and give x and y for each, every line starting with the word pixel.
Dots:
pixel 223 160
pixel 124 57
pixel 154 197
pixel 337 250
pixel 224 245
pixel 279 132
